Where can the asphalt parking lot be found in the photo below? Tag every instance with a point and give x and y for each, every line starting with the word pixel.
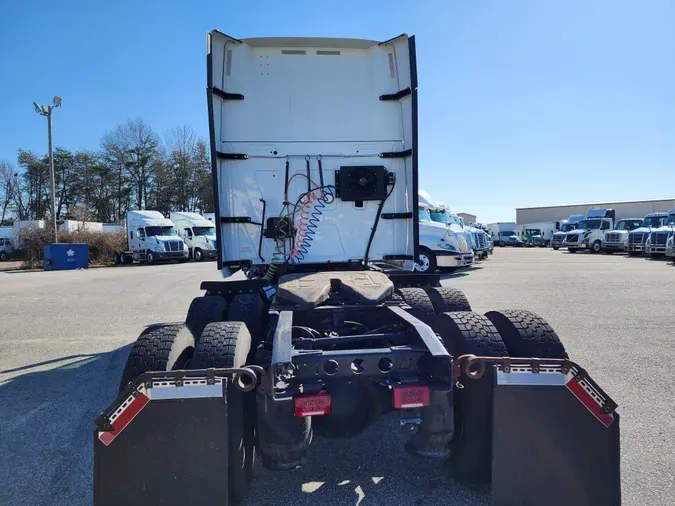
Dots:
pixel 64 337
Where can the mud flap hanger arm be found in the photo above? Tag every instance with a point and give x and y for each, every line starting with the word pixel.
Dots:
pixel 252 373
pixel 473 367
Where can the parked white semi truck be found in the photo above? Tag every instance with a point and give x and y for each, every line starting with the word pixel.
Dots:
pixel 440 245
pixel 151 238
pixel 617 239
pixel 670 246
pixel 441 213
pixel 559 238
pixel 591 231
pixel 658 239
pixel 198 233
pixel 637 239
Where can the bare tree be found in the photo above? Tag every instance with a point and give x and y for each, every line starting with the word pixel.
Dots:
pixel 133 146
pixel 181 145
pixel 9 184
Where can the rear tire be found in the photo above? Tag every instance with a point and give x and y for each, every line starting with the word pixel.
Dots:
pixel 159 348
pixel 419 302
pixel 227 344
pixel 205 310
pixel 117 258
pixel 571 250
pixel 555 248
pixel 445 299
pixel 633 253
pixel 527 334
pixel 471 333
pixel 252 310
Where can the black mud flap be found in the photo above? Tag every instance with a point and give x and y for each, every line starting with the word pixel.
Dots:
pixel 164 441
pixel 555 438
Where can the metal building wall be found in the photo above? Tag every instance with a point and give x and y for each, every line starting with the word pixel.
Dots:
pixel 468 218
pixel 636 209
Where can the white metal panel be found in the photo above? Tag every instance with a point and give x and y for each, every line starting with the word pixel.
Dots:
pixel 311 98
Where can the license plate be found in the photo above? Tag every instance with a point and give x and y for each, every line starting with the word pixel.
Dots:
pixel 411 397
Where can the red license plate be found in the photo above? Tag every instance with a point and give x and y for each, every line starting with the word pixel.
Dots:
pixel 411 396
pixel 312 405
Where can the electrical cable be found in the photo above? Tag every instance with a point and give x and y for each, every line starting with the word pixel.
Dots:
pixel 377 220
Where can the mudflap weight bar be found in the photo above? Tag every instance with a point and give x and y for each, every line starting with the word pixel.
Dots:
pixel 555 434
pixel 164 439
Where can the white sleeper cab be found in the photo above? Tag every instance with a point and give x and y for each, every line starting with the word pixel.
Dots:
pixel 198 233
pixel 151 238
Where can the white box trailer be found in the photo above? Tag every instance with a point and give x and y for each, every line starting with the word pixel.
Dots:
pixel 504 233
pixel 539 233
pixel 198 233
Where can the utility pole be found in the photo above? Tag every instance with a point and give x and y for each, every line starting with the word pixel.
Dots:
pixel 46 110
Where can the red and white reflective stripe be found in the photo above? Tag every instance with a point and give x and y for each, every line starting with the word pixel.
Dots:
pixel 123 418
pixel 585 394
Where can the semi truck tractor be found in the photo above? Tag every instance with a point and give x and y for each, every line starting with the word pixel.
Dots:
pixel 658 239
pixel 198 233
pixel 440 246
pixel 151 238
pixel 617 239
pixel 558 239
pixel 327 327
pixel 637 238
pixel 591 231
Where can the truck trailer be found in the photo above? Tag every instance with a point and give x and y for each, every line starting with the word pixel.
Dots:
pixel 327 326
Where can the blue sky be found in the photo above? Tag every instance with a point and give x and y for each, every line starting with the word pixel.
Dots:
pixel 522 102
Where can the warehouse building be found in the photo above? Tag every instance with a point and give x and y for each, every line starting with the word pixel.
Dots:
pixel 468 218
pixel 632 209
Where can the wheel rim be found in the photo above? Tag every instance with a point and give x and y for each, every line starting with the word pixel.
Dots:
pixel 596 247
pixel 198 255
pixel 423 264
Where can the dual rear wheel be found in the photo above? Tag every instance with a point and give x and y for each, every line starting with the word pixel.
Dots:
pixel 515 333
pixel 206 341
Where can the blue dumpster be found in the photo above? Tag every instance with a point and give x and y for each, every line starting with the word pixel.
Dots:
pixel 60 257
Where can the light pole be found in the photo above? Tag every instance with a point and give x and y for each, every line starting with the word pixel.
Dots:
pixel 46 110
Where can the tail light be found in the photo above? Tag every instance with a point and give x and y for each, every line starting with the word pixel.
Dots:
pixel 312 404
pixel 411 396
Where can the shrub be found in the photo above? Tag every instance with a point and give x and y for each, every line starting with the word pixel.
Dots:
pixel 102 246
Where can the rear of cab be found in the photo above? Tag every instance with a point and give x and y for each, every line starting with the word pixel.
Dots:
pixel 314 146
